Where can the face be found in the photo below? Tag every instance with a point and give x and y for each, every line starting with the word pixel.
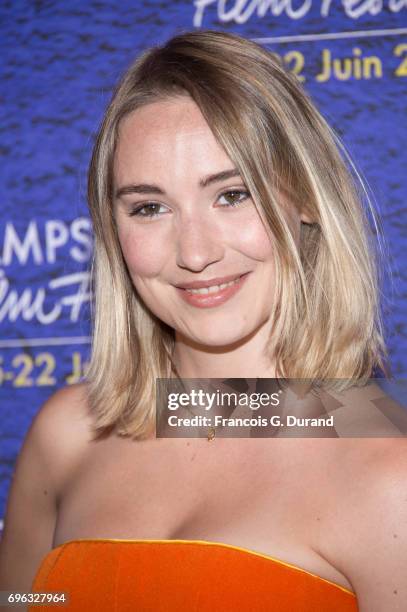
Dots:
pixel 184 216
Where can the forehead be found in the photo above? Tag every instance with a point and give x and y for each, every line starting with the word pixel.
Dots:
pixel 170 136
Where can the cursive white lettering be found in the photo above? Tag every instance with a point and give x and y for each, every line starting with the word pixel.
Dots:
pixel 30 303
pixel 357 8
pixel 240 11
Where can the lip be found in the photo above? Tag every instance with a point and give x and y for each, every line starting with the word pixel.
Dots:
pixel 209 283
pixel 210 300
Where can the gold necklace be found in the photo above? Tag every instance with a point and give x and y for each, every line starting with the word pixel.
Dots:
pixel 211 434
pixel 211 430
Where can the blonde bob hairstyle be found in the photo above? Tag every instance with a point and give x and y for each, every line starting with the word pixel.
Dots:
pixel 326 322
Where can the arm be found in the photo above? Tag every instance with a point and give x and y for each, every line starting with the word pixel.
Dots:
pixel 378 557
pixel 49 453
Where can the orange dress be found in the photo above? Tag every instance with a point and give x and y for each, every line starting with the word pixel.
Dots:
pixel 181 575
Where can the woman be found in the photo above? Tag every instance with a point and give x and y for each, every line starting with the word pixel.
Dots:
pixel 212 167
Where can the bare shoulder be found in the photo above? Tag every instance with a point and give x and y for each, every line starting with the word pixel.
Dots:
pixel 61 431
pixel 372 514
pixel 67 404
pixel 55 443
pixel 65 416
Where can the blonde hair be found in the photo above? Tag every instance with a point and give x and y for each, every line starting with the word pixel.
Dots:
pixel 326 322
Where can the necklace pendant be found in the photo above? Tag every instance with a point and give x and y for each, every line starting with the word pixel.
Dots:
pixel 211 434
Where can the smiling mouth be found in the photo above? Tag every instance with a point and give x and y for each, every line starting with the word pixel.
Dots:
pixel 210 295
pixel 218 281
pixel 213 288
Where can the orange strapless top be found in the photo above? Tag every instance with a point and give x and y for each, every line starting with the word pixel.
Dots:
pixel 182 575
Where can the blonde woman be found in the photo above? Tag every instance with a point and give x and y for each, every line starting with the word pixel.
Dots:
pixel 212 168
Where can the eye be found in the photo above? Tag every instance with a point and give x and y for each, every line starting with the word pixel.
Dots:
pixel 234 196
pixel 151 209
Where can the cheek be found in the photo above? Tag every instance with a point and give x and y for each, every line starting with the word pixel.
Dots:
pixel 255 241
pixel 143 253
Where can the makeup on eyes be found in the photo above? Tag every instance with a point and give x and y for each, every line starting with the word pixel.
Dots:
pixel 154 207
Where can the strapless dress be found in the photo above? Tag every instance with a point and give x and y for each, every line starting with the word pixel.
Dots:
pixel 181 575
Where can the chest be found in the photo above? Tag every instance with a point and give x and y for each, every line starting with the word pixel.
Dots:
pixel 179 488
pixel 247 493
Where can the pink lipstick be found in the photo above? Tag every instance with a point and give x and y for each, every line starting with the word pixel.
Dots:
pixel 213 292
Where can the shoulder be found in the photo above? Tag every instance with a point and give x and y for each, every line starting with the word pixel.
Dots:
pixel 65 412
pixel 382 466
pixel 374 522
pixel 65 403
pixel 62 426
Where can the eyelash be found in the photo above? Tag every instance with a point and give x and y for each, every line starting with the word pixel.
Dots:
pixel 136 211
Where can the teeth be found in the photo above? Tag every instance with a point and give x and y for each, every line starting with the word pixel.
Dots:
pixel 212 289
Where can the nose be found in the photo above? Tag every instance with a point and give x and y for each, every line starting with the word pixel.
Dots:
pixel 198 244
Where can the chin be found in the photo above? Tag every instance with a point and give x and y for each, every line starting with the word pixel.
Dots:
pixel 214 336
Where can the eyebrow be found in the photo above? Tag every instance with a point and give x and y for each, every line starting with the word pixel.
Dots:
pixel 144 188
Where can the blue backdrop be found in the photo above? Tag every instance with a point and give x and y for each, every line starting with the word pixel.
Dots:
pixel 60 61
